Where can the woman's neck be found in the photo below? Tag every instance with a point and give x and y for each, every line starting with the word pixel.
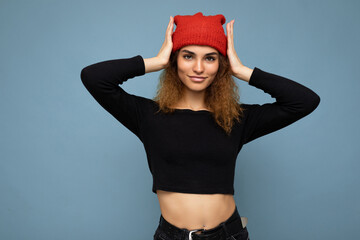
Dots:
pixel 192 100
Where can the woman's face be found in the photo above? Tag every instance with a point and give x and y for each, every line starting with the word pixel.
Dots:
pixel 197 66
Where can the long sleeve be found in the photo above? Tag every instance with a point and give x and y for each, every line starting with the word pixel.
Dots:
pixel 102 81
pixel 293 102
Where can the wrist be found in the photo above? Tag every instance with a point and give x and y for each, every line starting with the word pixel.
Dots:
pixel 243 73
pixel 153 64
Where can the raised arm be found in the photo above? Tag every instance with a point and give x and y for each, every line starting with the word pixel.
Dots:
pixel 293 100
pixel 102 81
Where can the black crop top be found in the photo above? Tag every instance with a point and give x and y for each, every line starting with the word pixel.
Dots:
pixel 187 151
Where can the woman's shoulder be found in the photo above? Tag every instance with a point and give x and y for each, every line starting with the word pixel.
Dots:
pixel 143 100
pixel 248 106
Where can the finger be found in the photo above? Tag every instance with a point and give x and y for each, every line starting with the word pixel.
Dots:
pixel 168 29
pixel 230 27
pixel 228 31
pixel 232 31
pixel 172 25
pixel 169 25
pixel 228 35
pixel 230 44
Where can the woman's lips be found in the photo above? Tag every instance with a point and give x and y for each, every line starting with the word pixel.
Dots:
pixel 197 79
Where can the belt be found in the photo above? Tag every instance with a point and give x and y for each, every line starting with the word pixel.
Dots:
pixel 224 229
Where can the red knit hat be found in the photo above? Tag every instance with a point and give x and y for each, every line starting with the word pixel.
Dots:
pixel 200 30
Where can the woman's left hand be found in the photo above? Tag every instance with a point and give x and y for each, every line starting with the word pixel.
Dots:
pixel 237 68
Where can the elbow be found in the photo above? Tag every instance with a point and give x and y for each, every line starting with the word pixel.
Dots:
pixel 311 103
pixel 316 101
pixel 87 79
pixel 85 76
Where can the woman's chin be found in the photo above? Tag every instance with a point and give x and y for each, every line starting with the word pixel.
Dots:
pixel 199 88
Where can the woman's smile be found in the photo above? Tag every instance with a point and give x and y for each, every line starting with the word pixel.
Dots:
pixel 197 79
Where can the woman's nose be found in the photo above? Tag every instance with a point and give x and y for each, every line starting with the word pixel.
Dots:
pixel 198 67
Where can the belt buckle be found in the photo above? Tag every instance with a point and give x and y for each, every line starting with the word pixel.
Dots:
pixel 190 233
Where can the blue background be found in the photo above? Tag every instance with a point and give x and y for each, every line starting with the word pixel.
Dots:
pixel 69 170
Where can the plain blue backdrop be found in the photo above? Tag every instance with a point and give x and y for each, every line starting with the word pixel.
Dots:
pixel 69 170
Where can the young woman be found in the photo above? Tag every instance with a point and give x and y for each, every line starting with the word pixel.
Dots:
pixel 195 127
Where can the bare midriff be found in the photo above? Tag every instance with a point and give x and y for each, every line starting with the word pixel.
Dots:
pixel 195 211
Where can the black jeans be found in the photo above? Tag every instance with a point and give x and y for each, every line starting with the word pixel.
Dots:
pixel 231 229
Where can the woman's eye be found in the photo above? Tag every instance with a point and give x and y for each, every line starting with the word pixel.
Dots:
pixel 211 59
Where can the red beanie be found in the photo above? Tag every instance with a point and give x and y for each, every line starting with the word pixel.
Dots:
pixel 200 30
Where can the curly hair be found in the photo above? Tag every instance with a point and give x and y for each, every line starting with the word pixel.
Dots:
pixel 221 96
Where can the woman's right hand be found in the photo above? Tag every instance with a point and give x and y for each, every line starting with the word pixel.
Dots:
pixel 162 58
pixel 166 48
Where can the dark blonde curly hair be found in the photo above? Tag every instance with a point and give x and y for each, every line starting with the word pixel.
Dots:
pixel 221 96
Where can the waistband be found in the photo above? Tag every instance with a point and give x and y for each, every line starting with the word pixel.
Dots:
pixel 226 228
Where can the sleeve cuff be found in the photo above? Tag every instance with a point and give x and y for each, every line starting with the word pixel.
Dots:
pixel 256 75
pixel 138 68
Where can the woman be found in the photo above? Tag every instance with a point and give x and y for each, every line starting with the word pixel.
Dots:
pixel 195 127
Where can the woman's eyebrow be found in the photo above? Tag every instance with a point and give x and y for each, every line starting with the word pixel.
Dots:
pixel 187 51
